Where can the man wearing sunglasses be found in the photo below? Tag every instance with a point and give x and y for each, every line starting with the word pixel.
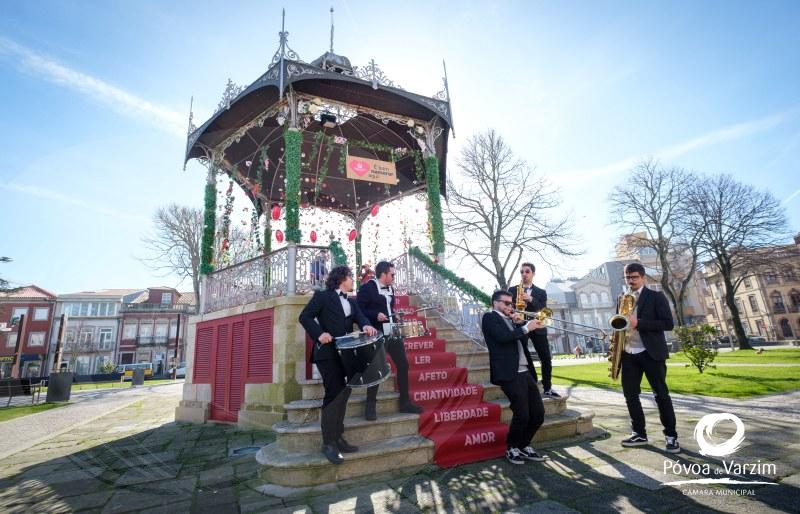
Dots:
pixel 376 300
pixel 535 300
pixel 511 367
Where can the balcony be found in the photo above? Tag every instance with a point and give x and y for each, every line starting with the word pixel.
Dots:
pixel 157 307
pixel 152 340
pixel 88 346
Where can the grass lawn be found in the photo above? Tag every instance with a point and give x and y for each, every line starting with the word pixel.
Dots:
pixel 7 413
pixel 115 384
pixel 727 382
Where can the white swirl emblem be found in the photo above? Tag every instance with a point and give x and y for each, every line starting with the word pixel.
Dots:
pixel 705 428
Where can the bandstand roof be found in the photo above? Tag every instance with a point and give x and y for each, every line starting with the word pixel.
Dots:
pixel 372 114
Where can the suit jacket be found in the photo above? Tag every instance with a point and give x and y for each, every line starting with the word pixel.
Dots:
pixel 503 348
pixel 373 303
pixel 538 302
pixel 324 313
pixel 654 317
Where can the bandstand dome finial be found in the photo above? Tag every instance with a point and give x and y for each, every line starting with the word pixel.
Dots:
pixel 331 61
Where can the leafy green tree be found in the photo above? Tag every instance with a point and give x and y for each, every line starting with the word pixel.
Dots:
pixel 697 344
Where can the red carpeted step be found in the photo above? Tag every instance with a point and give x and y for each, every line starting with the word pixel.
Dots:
pixel 444 397
pixel 445 421
pixel 425 344
pixel 431 360
pixel 422 378
pixel 475 443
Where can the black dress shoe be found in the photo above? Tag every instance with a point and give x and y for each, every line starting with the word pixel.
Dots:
pixel 346 447
pixel 331 453
pixel 410 408
pixel 370 411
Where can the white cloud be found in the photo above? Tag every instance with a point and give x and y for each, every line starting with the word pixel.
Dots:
pixel 790 198
pixel 47 194
pixel 729 133
pixel 95 88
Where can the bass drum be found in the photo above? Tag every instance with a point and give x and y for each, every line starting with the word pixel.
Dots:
pixel 364 359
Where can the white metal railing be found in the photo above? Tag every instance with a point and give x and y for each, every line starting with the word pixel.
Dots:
pixel 267 276
pixel 463 310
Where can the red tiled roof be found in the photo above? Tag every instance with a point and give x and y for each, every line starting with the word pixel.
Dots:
pixel 30 292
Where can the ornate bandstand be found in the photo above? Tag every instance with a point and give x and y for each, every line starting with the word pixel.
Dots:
pixel 330 137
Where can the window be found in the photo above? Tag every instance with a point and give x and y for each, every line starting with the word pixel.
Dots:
pixel 86 336
pixel 794 296
pixel 771 277
pixel 777 302
pixel 145 330
pixel 95 308
pixel 166 298
pixel 99 362
pixel 161 329
pixel 103 309
pixel 36 339
pixel 747 282
pixel 41 313
pixel 75 309
pixel 106 336
pixel 593 298
pixel 753 304
pixel 788 274
pixel 112 309
pixel 173 328
pixel 129 331
pixel 760 327
pixel 82 365
pixel 69 336
pixel 11 340
pixel 785 328
pixel 84 309
pixel 584 299
pixel 604 297
pixel 19 311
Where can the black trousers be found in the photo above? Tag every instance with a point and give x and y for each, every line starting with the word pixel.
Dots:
pixel 396 349
pixel 633 366
pixel 528 409
pixel 334 404
pixel 542 347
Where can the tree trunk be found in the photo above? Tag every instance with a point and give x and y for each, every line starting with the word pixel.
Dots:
pixel 738 328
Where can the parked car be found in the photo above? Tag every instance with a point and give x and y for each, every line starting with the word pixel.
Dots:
pixel 127 369
pixel 181 371
pixel 756 339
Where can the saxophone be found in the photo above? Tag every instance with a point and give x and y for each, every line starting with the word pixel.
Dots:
pixel 519 301
pixel 619 324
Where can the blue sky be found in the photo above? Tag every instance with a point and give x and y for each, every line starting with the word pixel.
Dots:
pixel 96 96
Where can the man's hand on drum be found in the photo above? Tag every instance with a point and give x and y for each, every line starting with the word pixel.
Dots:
pixel 370 331
pixel 325 338
pixel 382 317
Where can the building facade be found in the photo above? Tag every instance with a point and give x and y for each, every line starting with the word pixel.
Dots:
pixel 596 294
pixel 37 305
pixel 561 298
pixel 92 328
pixel 154 326
pixel 768 298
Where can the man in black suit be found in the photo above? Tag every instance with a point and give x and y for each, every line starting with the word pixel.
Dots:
pixel 376 300
pixel 511 368
pixel 645 354
pixel 330 314
pixel 536 300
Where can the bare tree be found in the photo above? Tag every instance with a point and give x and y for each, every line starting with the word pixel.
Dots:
pixel 653 204
pixel 740 228
pixel 4 285
pixel 500 210
pixel 175 245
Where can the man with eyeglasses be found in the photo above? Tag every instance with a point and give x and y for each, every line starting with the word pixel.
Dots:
pixel 536 300
pixel 511 367
pixel 376 300
pixel 645 354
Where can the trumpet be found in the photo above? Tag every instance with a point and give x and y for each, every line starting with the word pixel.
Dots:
pixel 545 316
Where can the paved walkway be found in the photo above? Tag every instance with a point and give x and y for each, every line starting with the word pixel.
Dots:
pixel 136 459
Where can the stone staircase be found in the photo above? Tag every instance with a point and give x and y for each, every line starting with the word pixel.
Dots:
pixel 393 441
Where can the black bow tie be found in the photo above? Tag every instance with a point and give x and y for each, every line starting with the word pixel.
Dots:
pixel 385 288
pixel 343 295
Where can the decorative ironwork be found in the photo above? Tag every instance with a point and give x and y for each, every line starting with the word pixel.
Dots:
pixel 374 74
pixel 232 90
pixel 460 309
pixel 438 105
pixel 444 94
pixel 294 69
pixel 266 277
pixel 284 52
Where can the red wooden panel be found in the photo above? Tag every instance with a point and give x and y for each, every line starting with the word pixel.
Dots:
pixel 219 407
pixel 236 382
pixel 259 347
pixel 202 355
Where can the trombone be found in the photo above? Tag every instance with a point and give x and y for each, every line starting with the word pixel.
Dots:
pixel 545 316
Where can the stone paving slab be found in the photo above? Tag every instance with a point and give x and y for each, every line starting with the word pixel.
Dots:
pixel 137 459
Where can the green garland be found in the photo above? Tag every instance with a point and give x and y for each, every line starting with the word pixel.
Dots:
pixel 209 227
pixel 339 257
pixel 435 204
pixel 268 236
pixel 459 282
pixel 293 140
